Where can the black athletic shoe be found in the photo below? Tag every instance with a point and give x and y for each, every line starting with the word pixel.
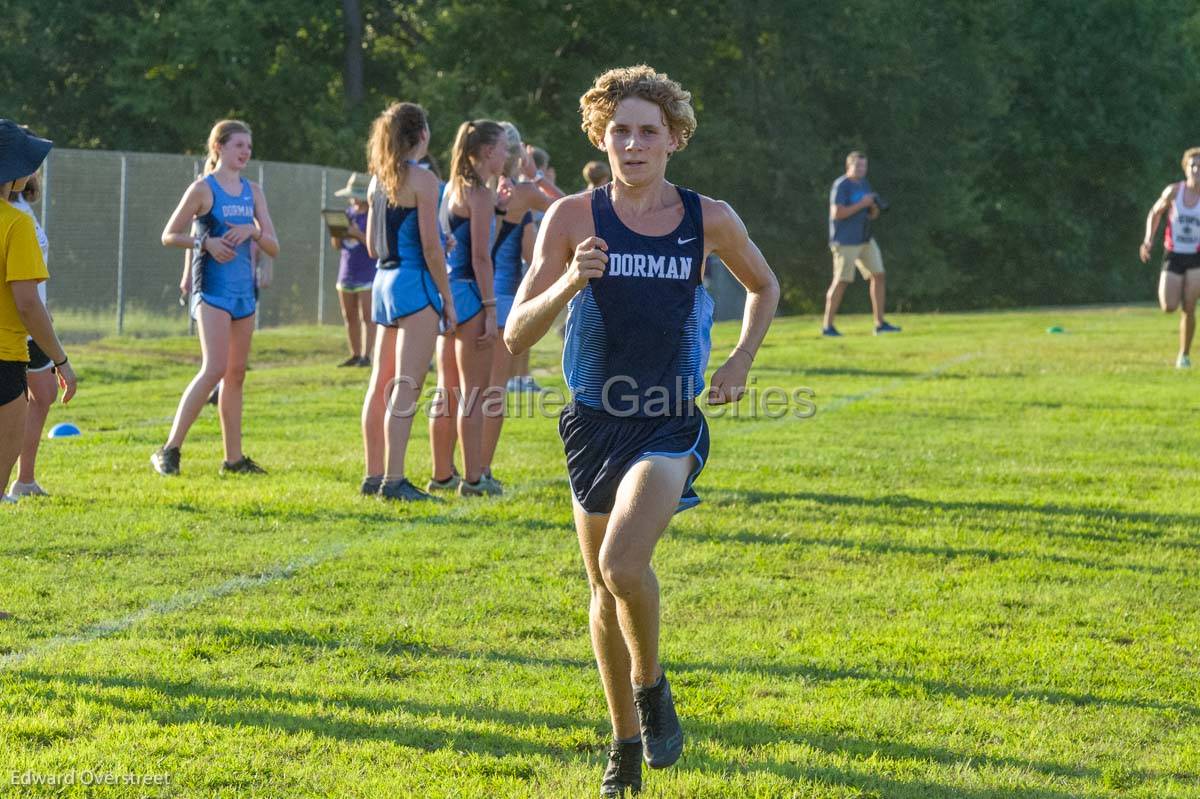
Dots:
pixel 244 466
pixel 364 361
pixel 623 774
pixel 370 486
pixel 449 484
pixel 662 737
pixel 165 461
pixel 351 361
pixel 403 491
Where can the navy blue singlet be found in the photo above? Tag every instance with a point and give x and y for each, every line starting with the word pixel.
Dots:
pixel 638 338
pixel 506 255
pixel 459 259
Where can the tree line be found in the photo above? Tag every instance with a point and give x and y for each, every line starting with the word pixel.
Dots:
pixel 1019 143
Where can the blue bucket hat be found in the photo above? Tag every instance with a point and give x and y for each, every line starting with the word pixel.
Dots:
pixel 21 153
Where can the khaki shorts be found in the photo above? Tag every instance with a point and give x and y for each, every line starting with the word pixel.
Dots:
pixel 866 257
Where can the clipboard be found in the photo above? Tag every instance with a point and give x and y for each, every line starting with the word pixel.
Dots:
pixel 337 221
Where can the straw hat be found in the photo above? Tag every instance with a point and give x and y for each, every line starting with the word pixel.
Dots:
pixel 356 187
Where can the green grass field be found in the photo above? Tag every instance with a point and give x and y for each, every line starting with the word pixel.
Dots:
pixel 972 574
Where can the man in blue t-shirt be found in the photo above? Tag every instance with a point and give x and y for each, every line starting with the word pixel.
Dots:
pixel 852 206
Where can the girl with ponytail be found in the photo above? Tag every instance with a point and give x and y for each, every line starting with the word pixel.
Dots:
pixel 233 213
pixel 477 160
pixel 524 198
pixel 410 294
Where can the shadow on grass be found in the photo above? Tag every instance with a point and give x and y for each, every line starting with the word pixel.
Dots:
pixel 893 547
pixel 169 702
pixel 1148 525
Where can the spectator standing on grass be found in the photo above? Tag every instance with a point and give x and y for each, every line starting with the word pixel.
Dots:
pixel 356 273
pixel 22 312
pixel 536 170
pixel 470 210
pixel 525 197
pixel 410 296
pixel 234 216
pixel 853 205
pixel 43 387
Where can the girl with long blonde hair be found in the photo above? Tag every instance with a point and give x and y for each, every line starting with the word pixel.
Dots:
pixel 233 217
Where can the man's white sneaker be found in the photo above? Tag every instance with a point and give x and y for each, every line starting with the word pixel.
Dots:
pixel 1183 362
pixel 20 489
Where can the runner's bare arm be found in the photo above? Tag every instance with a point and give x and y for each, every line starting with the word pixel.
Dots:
pixel 728 238
pixel 1160 207
pixel 195 201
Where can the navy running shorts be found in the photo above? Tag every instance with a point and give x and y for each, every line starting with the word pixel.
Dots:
pixel 38 360
pixel 601 448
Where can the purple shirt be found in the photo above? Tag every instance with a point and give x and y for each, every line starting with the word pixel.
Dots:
pixel 357 267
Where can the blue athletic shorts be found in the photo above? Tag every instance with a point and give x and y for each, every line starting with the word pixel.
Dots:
pixel 401 292
pixel 504 304
pixel 236 307
pixel 601 448
pixel 467 301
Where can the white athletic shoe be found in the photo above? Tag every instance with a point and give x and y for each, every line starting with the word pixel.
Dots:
pixel 1183 362
pixel 7 500
pixel 27 490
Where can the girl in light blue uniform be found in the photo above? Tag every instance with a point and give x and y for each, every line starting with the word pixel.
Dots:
pixel 410 295
pixel 232 216
pixel 522 199
pixel 403 283
pixel 229 285
pixel 470 208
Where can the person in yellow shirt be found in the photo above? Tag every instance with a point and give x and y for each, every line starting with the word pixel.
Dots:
pixel 22 313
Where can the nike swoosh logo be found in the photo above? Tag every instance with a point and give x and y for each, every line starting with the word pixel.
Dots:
pixel 682 242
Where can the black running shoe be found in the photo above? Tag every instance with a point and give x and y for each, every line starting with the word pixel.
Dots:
pixel 351 361
pixel 165 461
pixel 244 466
pixel 624 770
pixel 403 491
pixel 662 737
pixel 364 360
pixel 370 486
pixel 449 484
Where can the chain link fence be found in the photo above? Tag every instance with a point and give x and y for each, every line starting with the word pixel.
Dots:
pixel 104 212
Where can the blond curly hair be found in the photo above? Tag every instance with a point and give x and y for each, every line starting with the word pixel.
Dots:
pixel 599 103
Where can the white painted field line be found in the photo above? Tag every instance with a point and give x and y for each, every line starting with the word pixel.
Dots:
pixel 190 599
pixel 235 585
